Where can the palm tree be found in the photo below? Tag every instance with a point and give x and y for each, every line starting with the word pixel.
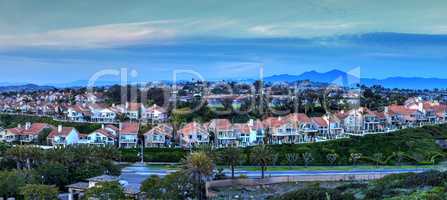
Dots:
pixel 199 167
pixel 262 155
pixel 231 156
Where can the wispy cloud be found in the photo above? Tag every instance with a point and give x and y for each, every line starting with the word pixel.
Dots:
pixel 305 29
pixel 102 36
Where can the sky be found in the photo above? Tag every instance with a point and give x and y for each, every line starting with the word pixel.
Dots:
pixel 49 41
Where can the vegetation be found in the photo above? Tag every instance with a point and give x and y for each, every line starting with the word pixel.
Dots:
pixel 105 191
pixel 198 166
pixel 11 121
pixel 428 185
pixel 232 157
pixel 22 167
pixel 262 156
pixel 39 192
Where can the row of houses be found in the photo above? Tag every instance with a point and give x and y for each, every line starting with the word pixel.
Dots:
pixel 290 129
pixel 102 113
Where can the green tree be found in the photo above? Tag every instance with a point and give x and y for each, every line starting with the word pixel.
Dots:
pixel 307 158
pixel 261 155
pixel 292 158
pixel 332 158
pixel 378 157
pixel 152 187
pixel 11 181
pixel 53 174
pixel 231 156
pixel 39 192
pixel 105 191
pixel 199 167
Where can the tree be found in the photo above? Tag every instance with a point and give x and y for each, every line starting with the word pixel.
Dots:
pixel 199 167
pixel 332 158
pixel 105 191
pixel 39 192
pixel 178 187
pixel 53 174
pixel 292 158
pixel 152 187
pixel 231 156
pixel 399 157
pixel 354 157
pixel 307 158
pixel 24 156
pixel 11 181
pixel 378 158
pixel 261 155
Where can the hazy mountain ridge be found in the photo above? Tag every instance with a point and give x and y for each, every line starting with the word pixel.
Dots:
pixel 25 87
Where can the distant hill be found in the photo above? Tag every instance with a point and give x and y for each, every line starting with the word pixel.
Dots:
pixel 335 76
pixel 410 83
pixel 26 87
pixel 344 79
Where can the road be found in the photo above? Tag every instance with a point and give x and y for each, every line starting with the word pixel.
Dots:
pixel 135 174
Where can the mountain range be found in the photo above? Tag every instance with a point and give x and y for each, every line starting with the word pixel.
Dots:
pixel 24 87
pixel 346 79
pixel 334 76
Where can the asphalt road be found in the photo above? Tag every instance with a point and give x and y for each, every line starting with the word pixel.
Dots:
pixel 135 174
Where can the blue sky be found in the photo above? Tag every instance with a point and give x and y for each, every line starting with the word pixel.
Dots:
pixel 63 41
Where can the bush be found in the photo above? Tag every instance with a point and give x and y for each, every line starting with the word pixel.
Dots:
pixel 315 194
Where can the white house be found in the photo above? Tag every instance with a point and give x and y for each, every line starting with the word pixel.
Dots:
pixel 193 134
pixel 103 137
pixel 224 133
pixel 159 136
pixel 102 114
pixel 128 135
pixel 63 136
pixel 154 114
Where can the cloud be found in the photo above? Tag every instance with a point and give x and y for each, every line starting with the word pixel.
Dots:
pixel 305 29
pixel 102 36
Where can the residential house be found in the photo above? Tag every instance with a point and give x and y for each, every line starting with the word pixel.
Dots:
pixel 374 121
pixel 101 113
pixel 305 126
pixel 78 113
pixel 27 134
pixel 193 134
pixel 128 135
pixel 105 136
pixel 155 114
pixel 403 117
pixel 283 131
pixel 63 136
pixel 159 136
pixel 223 132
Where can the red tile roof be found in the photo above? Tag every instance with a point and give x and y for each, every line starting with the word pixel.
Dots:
pixel 241 128
pixel 221 124
pixel 191 128
pixel 320 121
pixel 299 117
pixel 161 129
pixel 129 128
pixel 64 132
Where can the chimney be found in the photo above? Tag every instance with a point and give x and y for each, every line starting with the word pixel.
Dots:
pixel 27 125
pixel 19 125
pixel 251 122
pixel 386 109
pixel 127 105
pixel 102 126
pixel 121 126
pixel 59 128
